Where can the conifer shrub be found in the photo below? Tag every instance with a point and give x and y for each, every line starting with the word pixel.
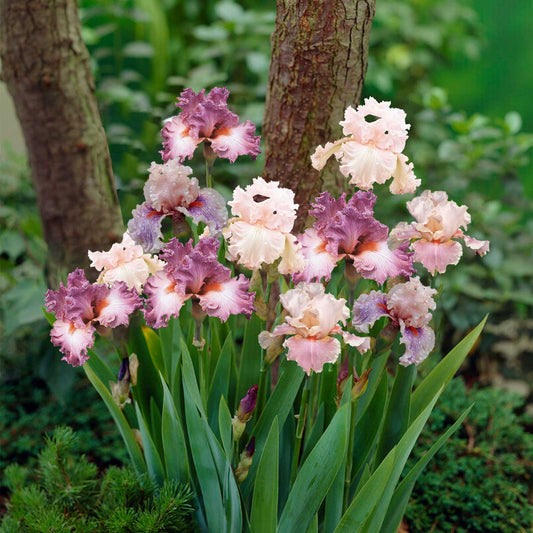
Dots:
pixel 65 494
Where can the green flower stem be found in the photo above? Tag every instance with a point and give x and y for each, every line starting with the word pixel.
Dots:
pixel 300 429
pixel 261 393
pixel 349 458
pixel 208 176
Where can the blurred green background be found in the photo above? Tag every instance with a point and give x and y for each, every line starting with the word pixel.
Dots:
pixel 462 70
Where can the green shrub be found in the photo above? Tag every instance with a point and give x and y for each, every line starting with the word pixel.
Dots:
pixel 479 481
pixel 65 494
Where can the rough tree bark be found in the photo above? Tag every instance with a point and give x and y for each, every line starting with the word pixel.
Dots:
pixel 319 60
pixel 45 65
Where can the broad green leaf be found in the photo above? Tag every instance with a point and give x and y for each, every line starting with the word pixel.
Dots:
pixel 250 360
pixel 204 465
pixel 334 500
pixel 155 427
pixel 224 426
pixel 221 379
pixel 397 414
pixel 189 378
pixel 367 427
pixel 148 383
pixel 125 431
pixel 377 365
pixel 215 327
pixel 315 432
pixel 313 528
pixel 366 499
pixel 402 493
pixel 328 390
pixel 443 372
pixel 278 405
pixel 153 342
pixel 166 338
pixel 402 451
pixel 316 475
pixel 174 444
pixel 101 368
pixel 264 515
pixel 151 455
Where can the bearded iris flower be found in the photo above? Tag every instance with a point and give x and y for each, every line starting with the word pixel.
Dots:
pixel 264 214
pixel 407 305
pixel 81 306
pixel 348 229
pixel 371 152
pixel 206 118
pixel 194 272
pixel 438 223
pixel 313 316
pixel 170 192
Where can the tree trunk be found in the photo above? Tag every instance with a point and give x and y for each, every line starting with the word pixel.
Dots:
pixel 319 60
pixel 46 67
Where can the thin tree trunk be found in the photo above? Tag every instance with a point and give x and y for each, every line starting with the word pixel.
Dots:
pixel 319 60
pixel 46 67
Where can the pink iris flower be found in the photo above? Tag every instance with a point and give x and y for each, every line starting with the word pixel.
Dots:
pixel 194 272
pixel 170 192
pixel 438 223
pixel 313 316
pixel 348 229
pixel 80 307
pixel 206 118
pixel 260 231
pixel 407 305
pixel 371 152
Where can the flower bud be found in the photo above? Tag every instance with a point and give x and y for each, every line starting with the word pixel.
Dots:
pixel 360 384
pixel 241 472
pixel 244 412
pixel 134 366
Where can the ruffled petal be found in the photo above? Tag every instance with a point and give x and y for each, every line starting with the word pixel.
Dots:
pixel 231 142
pixel 227 298
pixel 119 302
pixel 436 256
pixel 353 232
pixel 292 258
pixel 388 130
pixel 366 164
pixel 265 203
pixel 125 261
pixel 418 344
pixel 254 245
pixel 319 263
pixel 169 186
pixel 312 354
pixel 323 153
pixel 73 341
pixel 164 300
pixel 209 208
pixel 411 302
pixel 178 142
pixel 367 309
pixel 145 228
pixel 375 260
pixel 361 343
pixel 404 179
pixel 403 232
pixel 480 247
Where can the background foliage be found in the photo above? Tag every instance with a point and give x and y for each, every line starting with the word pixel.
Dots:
pixel 429 56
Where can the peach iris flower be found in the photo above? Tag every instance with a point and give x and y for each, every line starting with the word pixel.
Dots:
pixel 313 316
pixel 438 222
